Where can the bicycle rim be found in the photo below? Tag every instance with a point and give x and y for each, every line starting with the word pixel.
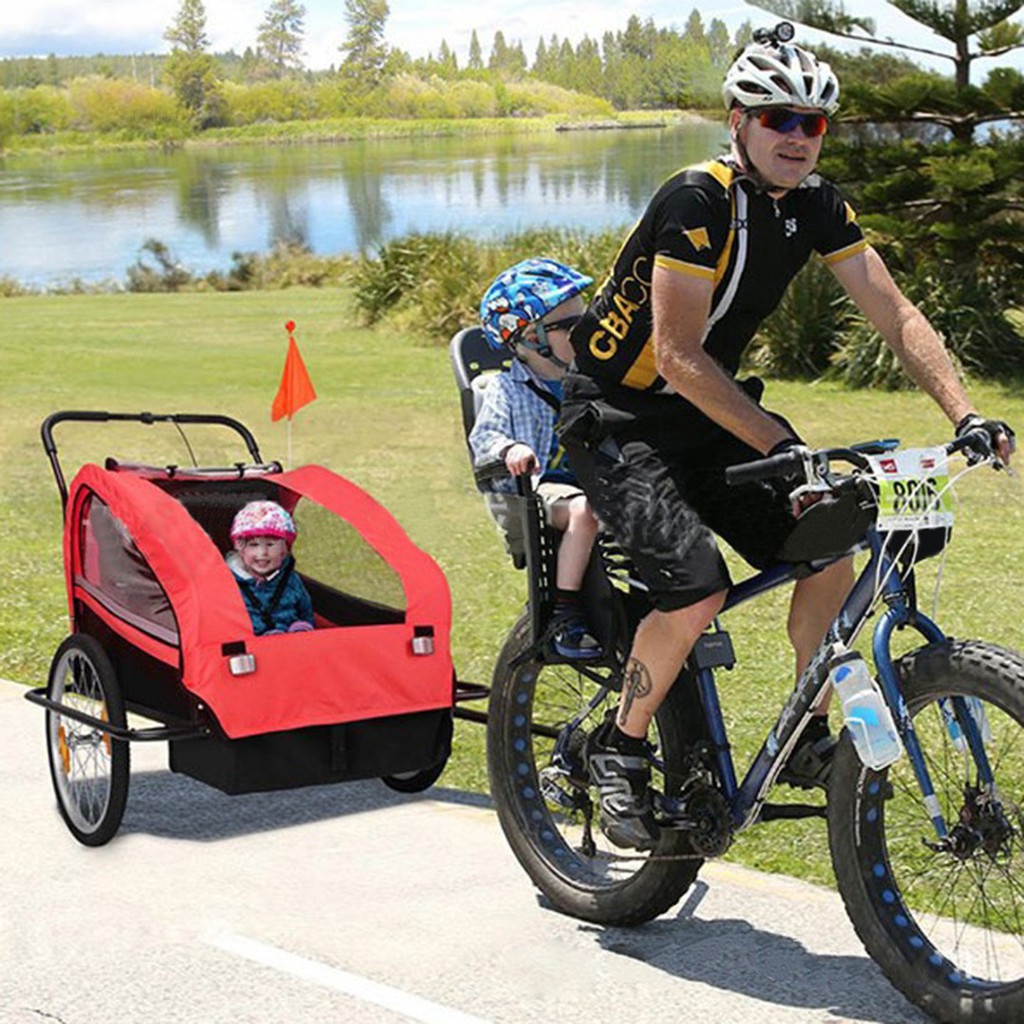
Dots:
pixel 81 755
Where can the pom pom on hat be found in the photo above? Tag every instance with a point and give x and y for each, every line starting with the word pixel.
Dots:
pixel 262 519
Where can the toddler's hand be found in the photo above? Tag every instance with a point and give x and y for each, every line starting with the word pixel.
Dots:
pixel 300 627
pixel 519 459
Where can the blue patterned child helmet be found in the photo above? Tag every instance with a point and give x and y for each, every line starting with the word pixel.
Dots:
pixel 525 293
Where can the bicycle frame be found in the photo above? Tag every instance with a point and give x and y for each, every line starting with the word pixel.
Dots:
pixel 747 798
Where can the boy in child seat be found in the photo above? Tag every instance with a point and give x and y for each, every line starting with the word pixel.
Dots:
pixel 530 309
pixel 274 595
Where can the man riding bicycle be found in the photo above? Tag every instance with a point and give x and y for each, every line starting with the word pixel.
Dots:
pixel 652 413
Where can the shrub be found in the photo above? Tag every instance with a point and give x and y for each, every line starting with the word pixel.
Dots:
pixel 284 99
pixel 430 284
pixel 287 265
pixel 118 105
pixel 9 288
pixel 969 311
pixel 40 110
pixel 156 270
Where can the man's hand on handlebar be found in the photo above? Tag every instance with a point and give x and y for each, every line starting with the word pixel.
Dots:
pixel 982 439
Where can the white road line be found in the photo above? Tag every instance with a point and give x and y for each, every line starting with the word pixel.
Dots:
pixel 413 1007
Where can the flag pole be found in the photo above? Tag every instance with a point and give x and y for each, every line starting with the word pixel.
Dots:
pixel 295 391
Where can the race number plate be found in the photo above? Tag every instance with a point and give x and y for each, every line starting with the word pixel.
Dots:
pixel 913 489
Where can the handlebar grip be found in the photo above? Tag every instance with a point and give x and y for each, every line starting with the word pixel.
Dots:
pixel 487 472
pixel 774 466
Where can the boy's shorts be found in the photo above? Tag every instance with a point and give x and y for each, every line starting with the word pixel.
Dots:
pixel 550 493
pixel 658 486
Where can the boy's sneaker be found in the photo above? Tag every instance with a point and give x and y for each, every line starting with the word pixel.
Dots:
pixel 572 639
pixel 623 783
pixel 809 766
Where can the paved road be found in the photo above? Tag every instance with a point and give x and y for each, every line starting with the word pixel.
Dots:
pixel 354 904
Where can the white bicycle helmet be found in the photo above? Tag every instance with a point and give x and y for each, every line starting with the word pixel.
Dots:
pixel 780 74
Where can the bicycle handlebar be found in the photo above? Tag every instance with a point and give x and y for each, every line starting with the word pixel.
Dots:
pixel 812 464
pixel 773 467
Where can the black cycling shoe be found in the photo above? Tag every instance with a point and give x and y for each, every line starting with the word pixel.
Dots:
pixel 810 764
pixel 623 783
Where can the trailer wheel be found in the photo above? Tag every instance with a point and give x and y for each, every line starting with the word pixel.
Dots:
pixel 414 782
pixel 88 766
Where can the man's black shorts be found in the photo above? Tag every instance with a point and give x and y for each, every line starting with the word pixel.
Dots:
pixel 653 468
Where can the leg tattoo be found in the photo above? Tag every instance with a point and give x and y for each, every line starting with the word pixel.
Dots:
pixel 637 683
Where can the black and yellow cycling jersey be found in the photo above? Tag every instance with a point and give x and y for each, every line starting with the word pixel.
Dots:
pixel 710 221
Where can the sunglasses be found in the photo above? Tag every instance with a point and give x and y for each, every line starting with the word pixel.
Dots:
pixel 565 324
pixel 784 121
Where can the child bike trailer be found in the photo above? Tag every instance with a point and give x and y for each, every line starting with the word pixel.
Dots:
pixel 159 630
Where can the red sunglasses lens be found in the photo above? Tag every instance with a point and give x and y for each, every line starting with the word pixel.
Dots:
pixel 779 119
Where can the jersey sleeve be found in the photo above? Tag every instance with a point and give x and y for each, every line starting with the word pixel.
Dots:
pixel 840 236
pixel 689 232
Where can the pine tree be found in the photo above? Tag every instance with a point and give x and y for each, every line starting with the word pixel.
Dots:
pixel 192 71
pixel 498 61
pixel 365 50
pixel 280 35
pixel 448 63
pixel 476 60
pixel 188 31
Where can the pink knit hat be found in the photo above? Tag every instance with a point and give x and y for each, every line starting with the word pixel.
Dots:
pixel 262 519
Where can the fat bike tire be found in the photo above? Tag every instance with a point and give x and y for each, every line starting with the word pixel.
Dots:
pixel 562 849
pixel 946 926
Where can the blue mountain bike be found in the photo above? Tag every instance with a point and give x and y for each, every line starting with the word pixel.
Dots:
pixel 928 853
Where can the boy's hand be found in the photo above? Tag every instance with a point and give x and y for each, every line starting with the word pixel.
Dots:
pixel 520 458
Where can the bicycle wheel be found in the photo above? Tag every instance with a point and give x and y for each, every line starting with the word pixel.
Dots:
pixel 944 921
pixel 89 768
pixel 546 808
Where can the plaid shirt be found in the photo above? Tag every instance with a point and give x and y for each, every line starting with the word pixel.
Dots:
pixel 512 412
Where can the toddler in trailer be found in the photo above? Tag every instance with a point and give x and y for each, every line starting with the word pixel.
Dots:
pixel 275 597
pixel 530 309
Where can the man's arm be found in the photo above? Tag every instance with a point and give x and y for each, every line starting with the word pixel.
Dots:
pixel 905 330
pixel 681 304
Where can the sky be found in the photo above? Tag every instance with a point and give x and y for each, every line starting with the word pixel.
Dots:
pixel 74 27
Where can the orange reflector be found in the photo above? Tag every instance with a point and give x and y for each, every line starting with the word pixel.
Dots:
pixel 106 735
pixel 65 754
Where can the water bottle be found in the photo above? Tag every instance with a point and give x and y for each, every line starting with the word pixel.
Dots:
pixel 977 711
pixel 867 715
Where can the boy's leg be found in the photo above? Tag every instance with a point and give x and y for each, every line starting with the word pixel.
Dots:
pixel 572 517
pixel 567 511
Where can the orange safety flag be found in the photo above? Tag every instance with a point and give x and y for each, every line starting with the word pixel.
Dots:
pixel 296 388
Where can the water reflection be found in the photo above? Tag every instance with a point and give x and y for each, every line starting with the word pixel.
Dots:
pixel 88 216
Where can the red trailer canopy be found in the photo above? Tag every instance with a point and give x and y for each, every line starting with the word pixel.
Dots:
pixel 138 553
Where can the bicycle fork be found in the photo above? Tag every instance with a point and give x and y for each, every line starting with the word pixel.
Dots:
pixel 898 615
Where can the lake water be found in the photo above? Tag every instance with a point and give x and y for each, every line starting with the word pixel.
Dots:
pixel 87 217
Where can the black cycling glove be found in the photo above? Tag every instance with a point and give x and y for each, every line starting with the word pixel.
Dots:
pixel 979 436
pixel 784 445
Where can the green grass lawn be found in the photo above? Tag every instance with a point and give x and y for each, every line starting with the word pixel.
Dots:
pixel 388 418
